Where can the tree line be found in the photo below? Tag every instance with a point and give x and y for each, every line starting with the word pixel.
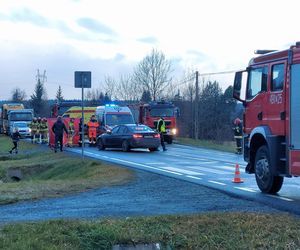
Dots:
pixel 211 112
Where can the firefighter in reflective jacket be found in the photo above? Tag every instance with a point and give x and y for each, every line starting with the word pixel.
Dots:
pixel 44 130
pixel 71 131
pixel 161 128
pixel 238 135
pixel 34 129
pixel 92 130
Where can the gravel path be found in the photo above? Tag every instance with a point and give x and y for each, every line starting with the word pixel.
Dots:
pixel 149 194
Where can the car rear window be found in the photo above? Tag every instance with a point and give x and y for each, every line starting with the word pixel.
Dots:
pixel 140 129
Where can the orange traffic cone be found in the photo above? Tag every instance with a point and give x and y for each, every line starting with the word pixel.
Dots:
pixel 237 178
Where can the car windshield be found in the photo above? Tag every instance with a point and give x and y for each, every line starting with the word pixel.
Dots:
pixel 164 112
pixel 118 119
pixel 21 116
pixel 139 128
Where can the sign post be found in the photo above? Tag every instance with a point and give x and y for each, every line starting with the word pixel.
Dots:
pixel 82 80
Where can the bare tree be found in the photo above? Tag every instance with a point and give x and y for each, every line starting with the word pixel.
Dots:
pixel 18 95
pixel 110 85
pixel 153 73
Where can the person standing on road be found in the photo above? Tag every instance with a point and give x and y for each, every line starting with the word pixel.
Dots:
pixel 15 139
pixel 238 135
pixel 58 129
pixel 161 128
pixel 92 129
pixel 44 130
pixel 71 131
pixel 34 127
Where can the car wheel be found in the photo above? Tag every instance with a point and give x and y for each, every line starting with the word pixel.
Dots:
pixel 153 149
pixel 265 179
pixel 125 146
pixel 101 145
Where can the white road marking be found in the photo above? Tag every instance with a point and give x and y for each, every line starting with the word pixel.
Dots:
pixel 209 169
pixel 219 183
pixel 145 166
pixel 155 163
pixel 246 189
pixel 194 177
pixel 183 171
pixel 280 197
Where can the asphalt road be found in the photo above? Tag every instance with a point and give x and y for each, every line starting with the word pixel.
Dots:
pixel 206 167
pixel 165 184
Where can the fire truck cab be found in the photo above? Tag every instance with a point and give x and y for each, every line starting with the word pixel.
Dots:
pixel 150 113
pixel 270 91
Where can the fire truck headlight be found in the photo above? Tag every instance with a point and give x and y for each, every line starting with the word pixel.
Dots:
pixel 174 131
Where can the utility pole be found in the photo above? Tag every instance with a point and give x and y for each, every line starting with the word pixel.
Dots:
pixel 41 77
pixel 196 121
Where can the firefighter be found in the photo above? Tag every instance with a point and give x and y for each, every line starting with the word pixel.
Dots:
pixel 39 135
pixel 34 128
pixel 92 130
pixel 44 130
pixel 161 128
pixel 238 135
pixel 71 131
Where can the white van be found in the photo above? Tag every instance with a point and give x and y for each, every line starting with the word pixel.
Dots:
pixel 111 115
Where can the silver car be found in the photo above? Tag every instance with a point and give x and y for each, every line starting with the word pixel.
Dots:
pixel 23 127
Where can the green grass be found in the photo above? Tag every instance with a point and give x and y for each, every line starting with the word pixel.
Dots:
pixel 228 146
pixel 45 174
pixel 204 231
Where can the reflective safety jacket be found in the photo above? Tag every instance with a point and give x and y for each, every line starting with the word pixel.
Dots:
pixel 93 125
pixel 33 126
pixel 161 126
pixel 238 131
pixel 71 127
pixel 43 127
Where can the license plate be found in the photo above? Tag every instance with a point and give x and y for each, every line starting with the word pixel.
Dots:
pixel 148 136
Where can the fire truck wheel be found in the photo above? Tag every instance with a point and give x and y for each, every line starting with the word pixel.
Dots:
pixel 265 179
pixel 100 145
pixel 125 146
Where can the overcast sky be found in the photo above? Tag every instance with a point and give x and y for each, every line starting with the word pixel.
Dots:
pixel 110 37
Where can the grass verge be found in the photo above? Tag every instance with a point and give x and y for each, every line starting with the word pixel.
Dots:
pixel 227 146
pixel 45 174
pixel 204 231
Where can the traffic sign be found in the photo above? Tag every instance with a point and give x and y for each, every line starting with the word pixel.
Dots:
pixel 83 79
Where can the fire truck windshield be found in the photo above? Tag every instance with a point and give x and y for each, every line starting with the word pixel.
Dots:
pixel 117 119
pixel 165 112
pixel 21 116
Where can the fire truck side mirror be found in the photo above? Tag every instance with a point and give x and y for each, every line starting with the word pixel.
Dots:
pixel 237 86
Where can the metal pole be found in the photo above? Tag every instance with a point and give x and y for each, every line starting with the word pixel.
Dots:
pixel 82 118
pixel 196 129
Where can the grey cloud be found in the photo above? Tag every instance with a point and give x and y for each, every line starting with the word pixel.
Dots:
pixel 149 39
pixel 95 26
pixel 199 55
pixel 27 15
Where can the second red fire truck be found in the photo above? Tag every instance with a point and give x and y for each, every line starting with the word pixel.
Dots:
pixel 150 113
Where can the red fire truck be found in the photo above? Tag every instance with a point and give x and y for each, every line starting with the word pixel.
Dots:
pixel 272 116
pixel 150 113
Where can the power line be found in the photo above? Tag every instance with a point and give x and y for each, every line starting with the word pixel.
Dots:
pixel 218 73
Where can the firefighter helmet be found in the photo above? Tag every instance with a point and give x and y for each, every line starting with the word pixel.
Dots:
pixel 237 121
